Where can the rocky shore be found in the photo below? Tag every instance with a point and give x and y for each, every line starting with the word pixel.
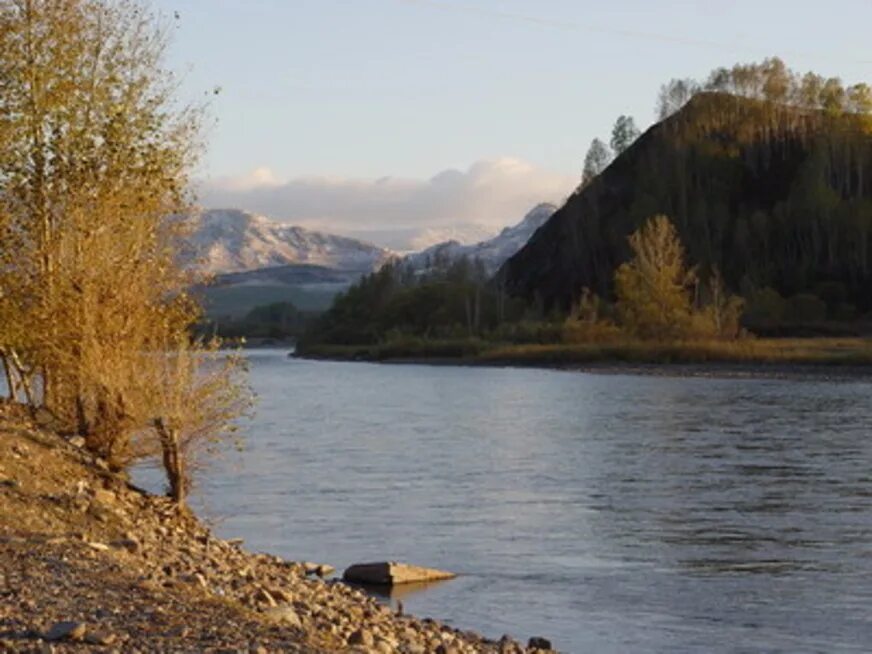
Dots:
pixel 90 563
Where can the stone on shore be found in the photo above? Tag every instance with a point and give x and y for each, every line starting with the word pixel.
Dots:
pixel 361 637
pixel 67 630
pixel 284 614
pixel 391 573
pixel 318 569
pixel 537 642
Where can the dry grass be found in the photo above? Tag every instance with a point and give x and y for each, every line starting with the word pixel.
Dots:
pixel 817 351
pixel 797 351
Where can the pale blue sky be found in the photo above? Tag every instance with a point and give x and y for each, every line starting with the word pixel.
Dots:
pixel 408 88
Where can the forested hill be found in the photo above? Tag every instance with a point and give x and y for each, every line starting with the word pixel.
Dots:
pixel 776 193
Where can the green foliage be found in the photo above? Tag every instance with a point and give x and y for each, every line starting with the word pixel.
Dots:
pixel 765 173
pixel 805 308
pixel 451 301
pixel 765 307
pixel 279 320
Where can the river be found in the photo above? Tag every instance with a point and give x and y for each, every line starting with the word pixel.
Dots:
pixel 608 512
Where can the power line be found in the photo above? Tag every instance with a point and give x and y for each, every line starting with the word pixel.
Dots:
pixel 573 26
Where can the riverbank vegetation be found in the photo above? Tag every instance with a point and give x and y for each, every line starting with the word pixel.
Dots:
pixel 830 352
pixel 663 313
pixel 764 176
pixel 95 315
pixel 277 321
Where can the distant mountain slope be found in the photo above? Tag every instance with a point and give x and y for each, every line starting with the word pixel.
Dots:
pixel 308 287
pixel 774 196
pixel 492 252
pixel 463 234
pixel 229 240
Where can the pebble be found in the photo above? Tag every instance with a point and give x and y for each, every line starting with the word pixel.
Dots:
pixel 361 637
pixel 100 638
pixel 104 496
pixel 537 642
pixel 66 630
pixel 284 614
pixel 130 544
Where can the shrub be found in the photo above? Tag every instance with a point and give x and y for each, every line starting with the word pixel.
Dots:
pixel 805 308
pixel 765 307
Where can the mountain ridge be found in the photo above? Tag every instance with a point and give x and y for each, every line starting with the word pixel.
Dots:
pixel 225 241
pixel 491 252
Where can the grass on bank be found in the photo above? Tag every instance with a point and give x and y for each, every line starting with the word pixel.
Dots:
pixel 811 351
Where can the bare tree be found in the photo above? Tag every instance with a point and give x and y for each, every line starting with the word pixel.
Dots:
pixel 624 133
pixel 596 160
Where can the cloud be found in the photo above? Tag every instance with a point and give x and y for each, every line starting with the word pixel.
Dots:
pixel 259 178
pixel 394 211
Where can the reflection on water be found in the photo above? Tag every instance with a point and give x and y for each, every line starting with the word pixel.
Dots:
pixel 611 513
pixel 401 592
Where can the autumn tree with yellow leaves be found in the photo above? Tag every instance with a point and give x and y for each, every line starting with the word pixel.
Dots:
pixel 95 153
pixel 655 290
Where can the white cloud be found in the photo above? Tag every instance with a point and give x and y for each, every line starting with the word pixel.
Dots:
pixel 393 211
pixel 259 178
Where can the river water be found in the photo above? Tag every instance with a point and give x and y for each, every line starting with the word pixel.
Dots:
pixel 610 513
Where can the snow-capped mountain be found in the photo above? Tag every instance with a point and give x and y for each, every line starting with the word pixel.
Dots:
pixel 230 240
pixel 492 252
pixel 463 234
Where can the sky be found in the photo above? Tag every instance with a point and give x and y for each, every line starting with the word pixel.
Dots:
pixel 385 118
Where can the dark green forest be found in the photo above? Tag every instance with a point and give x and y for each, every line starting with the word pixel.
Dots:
pixel 764 172
pixel 453 301
pixel 278 320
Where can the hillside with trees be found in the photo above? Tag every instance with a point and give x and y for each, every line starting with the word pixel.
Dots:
pixel 746 211
pixel 766 176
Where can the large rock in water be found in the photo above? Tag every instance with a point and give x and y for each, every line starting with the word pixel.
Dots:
pixel 391 573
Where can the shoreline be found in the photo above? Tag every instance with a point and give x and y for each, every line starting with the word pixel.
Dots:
pixel 89 560
pixel 763 371
pixel 821 370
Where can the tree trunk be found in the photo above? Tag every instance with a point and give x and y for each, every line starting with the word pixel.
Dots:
pixel 23 379
pixel 10 382
pixel 173 461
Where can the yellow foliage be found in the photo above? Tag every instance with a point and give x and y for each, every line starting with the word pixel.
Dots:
pixel 95 157
pixel 653 288
pixel 720 316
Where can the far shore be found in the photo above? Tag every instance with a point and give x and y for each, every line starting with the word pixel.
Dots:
pixel 753 358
